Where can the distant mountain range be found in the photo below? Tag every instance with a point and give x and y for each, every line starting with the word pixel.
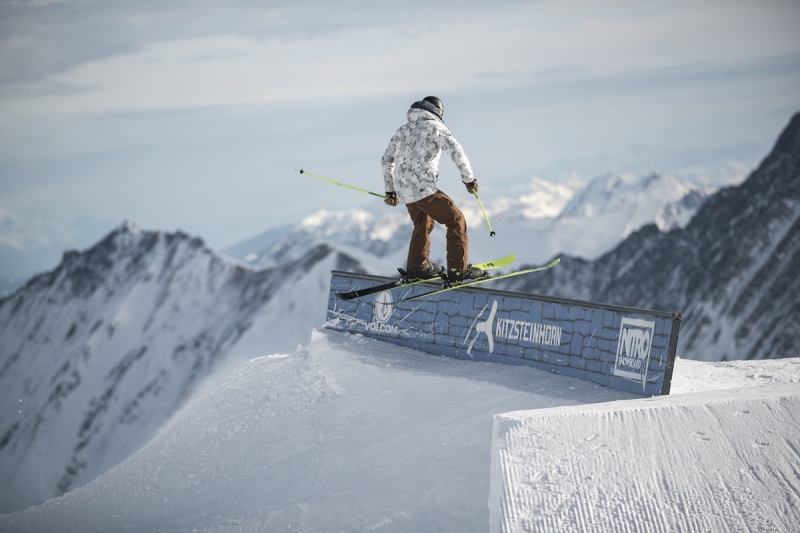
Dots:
pixel 540 220
pixel 733 271
pixel 97 354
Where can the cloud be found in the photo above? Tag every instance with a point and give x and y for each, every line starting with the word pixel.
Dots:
pixel 92 57
pixel 42 38
pixel 190 113
pixel 21 235
pixel 9 230
pixel 304 51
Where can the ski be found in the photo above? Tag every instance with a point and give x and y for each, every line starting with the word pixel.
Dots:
pixel 507 260
pixel 352 295
pixel 482 280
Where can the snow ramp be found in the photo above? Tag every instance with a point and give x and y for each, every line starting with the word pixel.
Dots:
pixel 713 461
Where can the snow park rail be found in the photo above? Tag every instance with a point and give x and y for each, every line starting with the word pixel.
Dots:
pixel 619 347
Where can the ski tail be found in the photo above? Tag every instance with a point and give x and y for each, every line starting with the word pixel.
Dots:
pixel 352 295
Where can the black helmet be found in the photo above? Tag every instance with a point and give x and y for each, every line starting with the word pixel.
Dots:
pixel 432 104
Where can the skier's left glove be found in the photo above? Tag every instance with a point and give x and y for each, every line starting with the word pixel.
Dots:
pixel 391 199
pixel 472 187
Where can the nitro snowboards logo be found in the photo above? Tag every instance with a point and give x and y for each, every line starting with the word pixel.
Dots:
pixel 633 350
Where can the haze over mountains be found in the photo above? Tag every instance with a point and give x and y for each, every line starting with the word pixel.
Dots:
pixel 96 355
pixel 541 220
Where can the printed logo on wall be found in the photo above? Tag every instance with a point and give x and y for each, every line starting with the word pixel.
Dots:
pixel 565 336
pixel 384 306
pixel 633 350
pixel 515 330
pixel 485 327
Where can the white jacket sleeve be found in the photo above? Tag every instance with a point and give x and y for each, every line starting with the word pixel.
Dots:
pixel 387 165
pixel 449 144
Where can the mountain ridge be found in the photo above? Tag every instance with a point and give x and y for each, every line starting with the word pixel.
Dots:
pixel 96 354
pixel 100 351
pixel 732 271
pixel 548 218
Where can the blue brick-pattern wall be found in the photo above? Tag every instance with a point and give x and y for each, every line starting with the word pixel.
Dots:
pixel 626 349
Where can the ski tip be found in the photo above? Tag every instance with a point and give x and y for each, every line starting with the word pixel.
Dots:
pixel 552 263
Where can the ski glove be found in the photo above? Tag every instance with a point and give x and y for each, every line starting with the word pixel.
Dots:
pixel 472 187
pixel 391 199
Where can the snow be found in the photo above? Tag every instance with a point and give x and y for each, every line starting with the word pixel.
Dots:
pixel 586 223
pixel 87 381
pixel 726 461
pixel 352 434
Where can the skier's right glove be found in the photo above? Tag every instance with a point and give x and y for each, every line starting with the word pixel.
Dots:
pixel 391 199
pixel 472 187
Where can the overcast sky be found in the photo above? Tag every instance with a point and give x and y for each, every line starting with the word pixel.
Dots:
pixel 193 115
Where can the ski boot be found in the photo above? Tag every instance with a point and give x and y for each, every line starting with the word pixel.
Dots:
pixel 431 271
pixel 471 273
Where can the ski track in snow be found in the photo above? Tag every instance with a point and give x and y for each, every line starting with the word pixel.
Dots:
pixel 352 434
pixel 686 463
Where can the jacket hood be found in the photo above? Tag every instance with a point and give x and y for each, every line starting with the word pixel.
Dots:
pixel 415 115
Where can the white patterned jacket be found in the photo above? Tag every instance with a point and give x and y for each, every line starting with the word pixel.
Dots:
pixel 411 162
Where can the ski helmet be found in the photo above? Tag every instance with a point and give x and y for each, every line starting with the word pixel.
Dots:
pixel 432 104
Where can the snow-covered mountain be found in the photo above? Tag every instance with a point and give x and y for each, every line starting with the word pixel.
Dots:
pixel 538 221
pixel 97 354
pixel 593 221
pixel 666 200
pixel 733 271
pixel 538 199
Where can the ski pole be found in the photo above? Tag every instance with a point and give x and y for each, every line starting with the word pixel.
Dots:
pixel 491 232
pixel 301 171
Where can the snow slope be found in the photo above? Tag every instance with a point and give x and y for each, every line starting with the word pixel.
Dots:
pixel 350 434
pixel 726 461
pixel 97 354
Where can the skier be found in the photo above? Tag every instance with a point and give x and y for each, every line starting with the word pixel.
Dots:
pixel 410 171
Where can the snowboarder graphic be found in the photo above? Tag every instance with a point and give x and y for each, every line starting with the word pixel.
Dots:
pixel 485 327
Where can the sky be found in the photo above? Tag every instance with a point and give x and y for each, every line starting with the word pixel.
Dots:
pixel 194 115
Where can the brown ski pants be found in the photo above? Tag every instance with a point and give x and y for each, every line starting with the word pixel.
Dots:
pixel 437 207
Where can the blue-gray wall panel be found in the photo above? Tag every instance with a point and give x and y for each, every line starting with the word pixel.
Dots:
pixel 627 349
